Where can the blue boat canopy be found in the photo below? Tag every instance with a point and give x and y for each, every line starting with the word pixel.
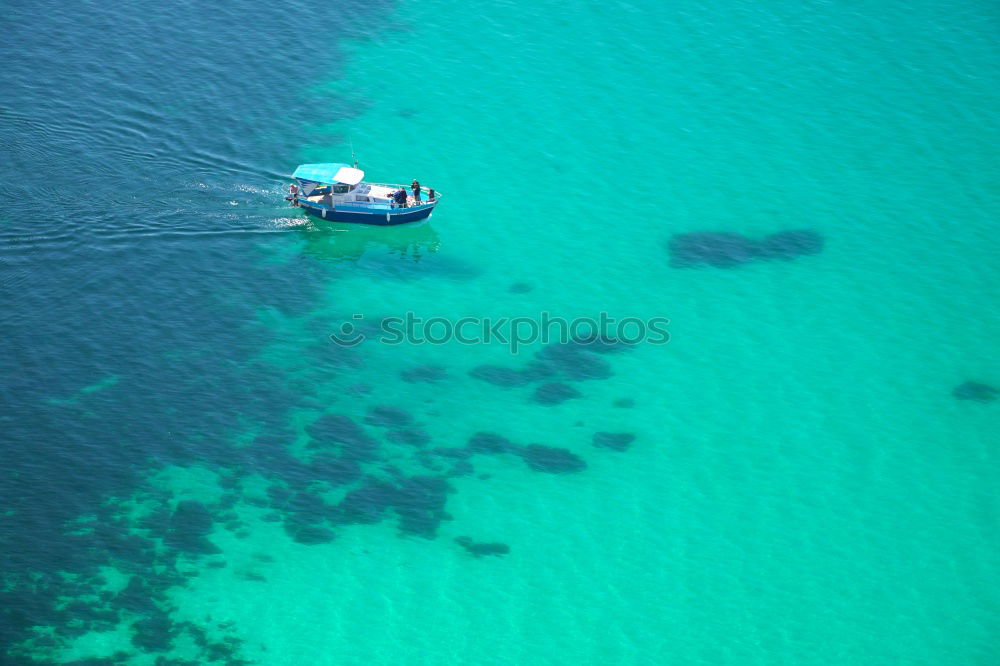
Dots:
pixel 329 173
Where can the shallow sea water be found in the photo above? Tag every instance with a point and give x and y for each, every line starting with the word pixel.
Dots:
pixel 188 471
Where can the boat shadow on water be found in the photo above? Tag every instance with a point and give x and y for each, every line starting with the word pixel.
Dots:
pixel 339 241
pixel 404 252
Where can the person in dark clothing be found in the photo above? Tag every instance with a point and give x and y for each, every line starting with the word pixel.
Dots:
pixel 431 194
pixel 415 186
pixel 400 198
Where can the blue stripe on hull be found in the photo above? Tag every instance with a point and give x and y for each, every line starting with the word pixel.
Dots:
pixel 383 218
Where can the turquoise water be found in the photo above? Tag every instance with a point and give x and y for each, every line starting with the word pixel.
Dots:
pixel 803 486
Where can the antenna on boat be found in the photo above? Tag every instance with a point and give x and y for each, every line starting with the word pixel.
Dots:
pixel 351 141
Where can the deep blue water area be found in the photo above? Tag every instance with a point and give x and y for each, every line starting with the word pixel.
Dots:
pixel 143 149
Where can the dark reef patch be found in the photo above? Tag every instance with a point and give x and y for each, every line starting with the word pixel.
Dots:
pixel 500 376
pixel 305 508
pixel 365 505
pixel 975 391
pixel 355 443
pixel 624 403
pixel 535 371
pixel 190 523
pixel 411 436
pixel 427 460
pixel 520 288
pixel 332 469
pixel 461 468
pixel 617 441
pixel 554 393
pixel 538 457
pixel 155 634
pixel 787 245
pixel 418 502
pixel 138 597
pixel 550 459
pixel 449 452
pixel 482 549
pixel 488 442
pixel 278 495
pixel 577 361
pixel 424 373
pixel 164 661
pixel 587 366
pixel 312 535
pixel 718 249
pixel 254 576
pixel 728 249
pixel 388 417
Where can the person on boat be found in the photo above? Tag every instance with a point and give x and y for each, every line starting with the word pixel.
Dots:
pixel 430 194
pixel 400 198
pixel 327 200
pixel 293 194
pixel 416 190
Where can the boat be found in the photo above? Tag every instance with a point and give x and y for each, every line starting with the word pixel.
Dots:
pixel 337 192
